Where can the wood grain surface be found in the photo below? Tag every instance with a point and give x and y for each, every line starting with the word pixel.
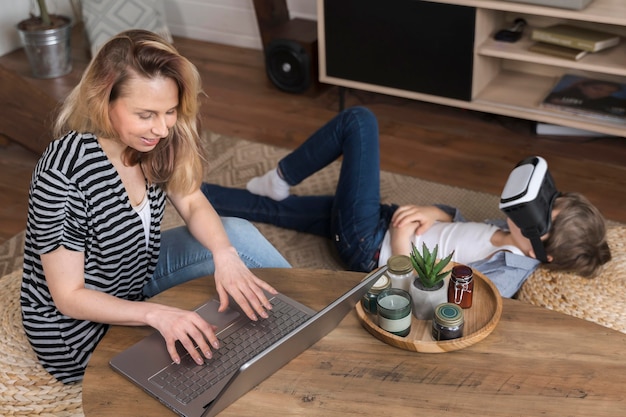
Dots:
pixel 535 362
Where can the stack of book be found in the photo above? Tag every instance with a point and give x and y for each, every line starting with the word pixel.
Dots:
pixel 595 98
pixel 570 42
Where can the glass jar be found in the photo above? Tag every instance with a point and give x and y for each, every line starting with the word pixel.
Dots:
pixel 461 286
pixel 400 270
pixel 369 299
pixel 394 311
pixel 448 322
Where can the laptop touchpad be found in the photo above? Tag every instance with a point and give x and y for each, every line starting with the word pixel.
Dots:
pixel 208 311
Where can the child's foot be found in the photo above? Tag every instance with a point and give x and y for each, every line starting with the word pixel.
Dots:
pixel 269 185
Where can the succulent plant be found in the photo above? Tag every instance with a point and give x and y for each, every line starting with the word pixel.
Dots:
pixel 428 268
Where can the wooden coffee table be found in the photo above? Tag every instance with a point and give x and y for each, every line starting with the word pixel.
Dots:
pixel 535 362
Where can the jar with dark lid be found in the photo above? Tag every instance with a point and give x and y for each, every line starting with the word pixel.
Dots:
pixel 448 322
pixel 400 270
pixel 369 299
pixel 461 286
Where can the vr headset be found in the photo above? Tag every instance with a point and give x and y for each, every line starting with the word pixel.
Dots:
pixel 527 199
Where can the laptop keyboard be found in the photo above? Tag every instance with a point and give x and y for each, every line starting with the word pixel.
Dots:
pixel 188 380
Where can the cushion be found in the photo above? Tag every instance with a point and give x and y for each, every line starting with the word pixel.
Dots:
pixel 106 18
pixel 600 299
pixel 26 389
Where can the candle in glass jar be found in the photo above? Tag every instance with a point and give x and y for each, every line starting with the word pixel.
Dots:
pixel 394 311
pixel 393 302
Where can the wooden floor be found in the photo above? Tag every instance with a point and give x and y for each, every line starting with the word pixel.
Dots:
pixel 452 146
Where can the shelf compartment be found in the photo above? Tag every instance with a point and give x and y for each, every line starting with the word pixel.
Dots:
pixel 520 95
pixel 610 61
pixel 610 12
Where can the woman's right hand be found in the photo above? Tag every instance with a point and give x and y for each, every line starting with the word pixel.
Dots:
pixel 188 328
pixel 65 278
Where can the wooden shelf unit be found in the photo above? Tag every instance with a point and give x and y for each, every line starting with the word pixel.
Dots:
pixel 509 80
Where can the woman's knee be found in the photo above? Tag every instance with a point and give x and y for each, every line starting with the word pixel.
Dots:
pixel 253 248
pixel 236 225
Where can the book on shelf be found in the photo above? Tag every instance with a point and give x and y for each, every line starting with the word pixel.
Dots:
pixel 557 51
pixel 563 4
pixel 594 98
pixel 575 37
pixel 548 129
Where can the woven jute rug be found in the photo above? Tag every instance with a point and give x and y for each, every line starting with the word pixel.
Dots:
pixel 27 390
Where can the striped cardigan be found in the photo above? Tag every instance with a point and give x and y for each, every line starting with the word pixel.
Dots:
pixel 77 200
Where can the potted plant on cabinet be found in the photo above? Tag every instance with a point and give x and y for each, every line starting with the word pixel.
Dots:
pixel 428 289
pixel 46 40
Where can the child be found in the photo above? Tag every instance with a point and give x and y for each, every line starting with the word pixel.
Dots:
pixel 366 233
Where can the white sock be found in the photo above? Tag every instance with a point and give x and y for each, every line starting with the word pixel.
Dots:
pixel 269 185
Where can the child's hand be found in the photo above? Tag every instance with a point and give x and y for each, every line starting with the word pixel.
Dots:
pixel 422 216
pixel 401 238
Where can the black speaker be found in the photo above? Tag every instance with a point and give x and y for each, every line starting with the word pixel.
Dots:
pixel 289 47
pixel 288 65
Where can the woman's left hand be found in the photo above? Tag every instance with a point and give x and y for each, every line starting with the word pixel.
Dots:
pixel 231 274
pixel 234 278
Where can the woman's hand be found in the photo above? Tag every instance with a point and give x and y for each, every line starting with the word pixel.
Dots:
pixel 65 277
pixel 231 274
pixel 184 326
pixel 234 278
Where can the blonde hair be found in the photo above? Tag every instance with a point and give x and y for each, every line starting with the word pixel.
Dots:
pixel 176 162
pixel 577 240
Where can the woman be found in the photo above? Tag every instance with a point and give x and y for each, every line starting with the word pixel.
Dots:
pixel 366 233
pixel 94 250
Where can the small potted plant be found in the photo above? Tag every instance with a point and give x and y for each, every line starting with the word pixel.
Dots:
pixel 428 289
pixel 46 40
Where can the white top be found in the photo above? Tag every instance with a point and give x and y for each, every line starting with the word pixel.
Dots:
pixel 143 209
pixel 470 242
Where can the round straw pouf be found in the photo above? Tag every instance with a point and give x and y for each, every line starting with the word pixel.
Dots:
pixel 26 389
pixel 600 299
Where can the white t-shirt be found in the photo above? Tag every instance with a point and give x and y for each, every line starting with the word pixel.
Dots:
pixel 470 242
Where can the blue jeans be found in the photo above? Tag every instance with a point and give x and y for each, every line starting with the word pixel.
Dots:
pixel 353 217
pixel 182 258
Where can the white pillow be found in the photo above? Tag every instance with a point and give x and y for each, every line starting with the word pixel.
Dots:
pixel 106 18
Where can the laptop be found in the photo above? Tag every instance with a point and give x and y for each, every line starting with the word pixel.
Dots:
pixel 148 364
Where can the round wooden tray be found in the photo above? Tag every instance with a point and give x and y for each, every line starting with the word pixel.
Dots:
pixel 480 320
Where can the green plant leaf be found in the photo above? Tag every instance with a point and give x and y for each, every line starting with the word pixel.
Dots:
pixel 443 263
pixel 428 257
pixel 426 265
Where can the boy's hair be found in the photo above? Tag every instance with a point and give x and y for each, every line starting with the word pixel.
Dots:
pixel 577 240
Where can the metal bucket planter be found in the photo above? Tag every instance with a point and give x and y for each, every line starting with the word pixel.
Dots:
pixel 48 50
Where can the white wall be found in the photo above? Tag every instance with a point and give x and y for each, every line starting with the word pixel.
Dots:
pixel 13 11
pixel 230 22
